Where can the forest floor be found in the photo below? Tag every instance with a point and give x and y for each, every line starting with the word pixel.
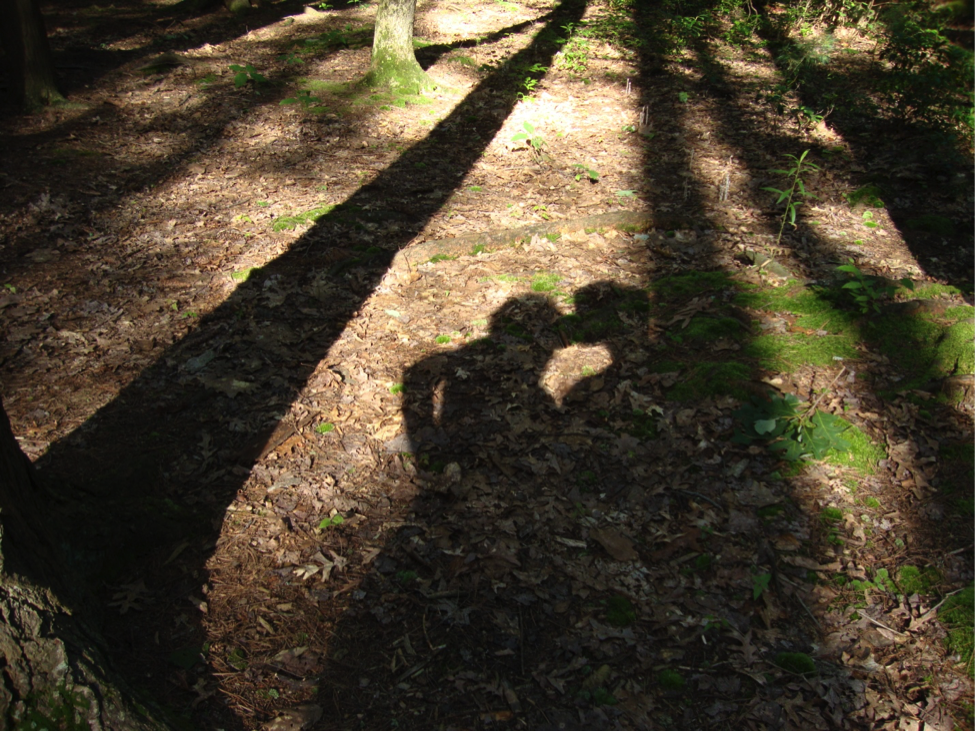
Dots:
pixel 374 410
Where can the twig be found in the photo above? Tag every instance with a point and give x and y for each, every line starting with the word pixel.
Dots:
pixel 815 404
pixel 885 627
pixel 698 495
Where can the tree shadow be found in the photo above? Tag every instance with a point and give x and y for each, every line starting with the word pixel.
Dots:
pixel 139 492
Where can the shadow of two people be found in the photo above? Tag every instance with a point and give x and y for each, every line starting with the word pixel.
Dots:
pixel 485 403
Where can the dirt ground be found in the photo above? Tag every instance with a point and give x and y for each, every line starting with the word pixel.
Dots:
pixel 322 478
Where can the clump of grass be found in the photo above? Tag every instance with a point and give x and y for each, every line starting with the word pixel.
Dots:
pixel 545 281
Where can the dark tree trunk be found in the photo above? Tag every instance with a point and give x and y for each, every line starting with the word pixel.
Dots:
pixel 28 53
pixel 54 674
pixel 394 64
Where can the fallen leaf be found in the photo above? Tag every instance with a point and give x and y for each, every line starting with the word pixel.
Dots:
pixel 616 545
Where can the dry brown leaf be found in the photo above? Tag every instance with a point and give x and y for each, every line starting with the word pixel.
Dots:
pixel 616 545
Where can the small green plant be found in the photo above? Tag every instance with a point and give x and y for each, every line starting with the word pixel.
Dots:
pixel 247 75
pixel 670 680
pixel 791 429
pixel 574 56
pixel 441 339
pixel 406 576
pixel 396 389
pixel 10 288
pixel 868 291
pixel 584 171
pixel 330 521
pixel 868 195
pixel 683 97
pixel 323 428
pixel 797 188
pixel 760 584
pixel 532 141
pixel 588 371
pixel 795 663
pixel 304 97
pixel 475 189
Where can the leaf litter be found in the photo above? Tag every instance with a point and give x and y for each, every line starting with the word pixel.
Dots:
pixel 535 531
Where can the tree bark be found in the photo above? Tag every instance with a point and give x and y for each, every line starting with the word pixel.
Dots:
pixel 28 53
pixel 54 673
pixel 394 64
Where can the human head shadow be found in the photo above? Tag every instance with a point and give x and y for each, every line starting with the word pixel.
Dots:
pixel 461 408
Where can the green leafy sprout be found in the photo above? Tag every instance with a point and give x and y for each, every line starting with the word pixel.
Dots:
pixel 330 521
pixel 532 141
pixel 790 428
pixel 247 74
pixel 868 291
pixel 584 171
pixel 797 188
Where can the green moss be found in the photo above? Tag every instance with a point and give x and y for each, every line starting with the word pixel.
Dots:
pixel 787 352
pixel 831 515
pixel 545 281
pixel 862 454
pixel 288 223
pixel 666 367
pixel 932 224
pixel 933 290
pixel 57 709
pixel 670 680
pixel 708 329
pixel 955 352
pixel 911 580
pixel 726 378
pixel 960 312
pixel 796 663
pixel 620 611
pixel 958 617
pixel 907 341
pixel 680 287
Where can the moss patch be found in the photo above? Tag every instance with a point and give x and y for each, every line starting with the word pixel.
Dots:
pixel 726 378
pixel 911 580
pixel 787 352
pixel 862 454
pixel 958 617
pixel 692 284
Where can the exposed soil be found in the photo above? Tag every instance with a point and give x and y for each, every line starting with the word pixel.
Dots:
pixel 320 480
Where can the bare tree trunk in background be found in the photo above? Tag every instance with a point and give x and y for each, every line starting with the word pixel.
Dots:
pixel 55 675
pixel 394 64
pixel 28 53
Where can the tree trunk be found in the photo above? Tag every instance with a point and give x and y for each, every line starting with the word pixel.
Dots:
pixel 28 53
pixel 54 673
pixel 394 64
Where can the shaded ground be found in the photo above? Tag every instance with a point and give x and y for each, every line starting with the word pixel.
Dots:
pixel 499 489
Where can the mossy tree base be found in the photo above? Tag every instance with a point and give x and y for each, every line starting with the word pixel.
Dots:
pixel 55 675
pixel 394 64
